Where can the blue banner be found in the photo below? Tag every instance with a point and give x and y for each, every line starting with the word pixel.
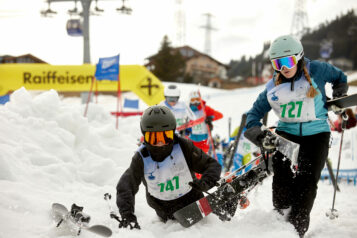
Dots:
pixel 107 68
pixel 131 103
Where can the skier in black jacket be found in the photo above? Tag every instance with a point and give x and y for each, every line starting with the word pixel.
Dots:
pixel 166 164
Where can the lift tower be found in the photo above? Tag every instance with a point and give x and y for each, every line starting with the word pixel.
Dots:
pixel 208 27
pixel 300 23
pixel 85 19
pixel 180 18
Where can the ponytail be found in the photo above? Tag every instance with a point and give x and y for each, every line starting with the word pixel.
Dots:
pixel 312 91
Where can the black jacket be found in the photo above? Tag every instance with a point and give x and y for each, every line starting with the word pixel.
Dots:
pixel 129 182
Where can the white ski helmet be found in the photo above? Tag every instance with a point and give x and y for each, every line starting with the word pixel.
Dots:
pixel 172 91
pixel 194 94
pixel 285 46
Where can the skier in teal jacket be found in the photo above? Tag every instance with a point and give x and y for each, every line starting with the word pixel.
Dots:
pixel 296 93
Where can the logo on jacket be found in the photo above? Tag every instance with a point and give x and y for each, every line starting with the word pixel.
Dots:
pixel 274 97
pixel 151 177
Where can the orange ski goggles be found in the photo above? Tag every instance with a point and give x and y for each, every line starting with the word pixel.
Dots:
pixel 195 100
pixel 155 137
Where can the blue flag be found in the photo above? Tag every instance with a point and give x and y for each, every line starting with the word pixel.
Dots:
pixel 131 103
pixel 107 68
pixel 4 99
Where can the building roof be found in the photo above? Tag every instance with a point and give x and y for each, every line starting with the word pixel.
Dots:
pixel 14 58
pixel 195 54
pixel 188 53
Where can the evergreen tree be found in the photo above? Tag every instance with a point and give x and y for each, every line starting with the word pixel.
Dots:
pixel 342 32
pixel 168 63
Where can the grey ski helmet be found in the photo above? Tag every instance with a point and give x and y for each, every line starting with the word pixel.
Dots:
pixel 286 46
pixel 157 118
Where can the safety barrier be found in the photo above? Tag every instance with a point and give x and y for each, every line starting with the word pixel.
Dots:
pixel 350 175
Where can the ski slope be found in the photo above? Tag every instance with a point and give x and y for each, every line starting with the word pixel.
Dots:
pixel 51 153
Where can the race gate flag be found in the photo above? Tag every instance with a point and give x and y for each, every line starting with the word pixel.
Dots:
pixel 4 99
pixel 107 68
pixel 131 103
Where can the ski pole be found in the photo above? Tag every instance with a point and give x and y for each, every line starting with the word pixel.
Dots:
pixel 232 149
pixel 107 197
pixel 210 139
pixel 229 127
pixel 334 213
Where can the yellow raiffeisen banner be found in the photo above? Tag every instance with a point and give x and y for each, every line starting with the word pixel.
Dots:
pixel 78 78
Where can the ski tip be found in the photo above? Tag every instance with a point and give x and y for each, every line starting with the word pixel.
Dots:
pixel 58 206
pixel 185 222
pixel 101 230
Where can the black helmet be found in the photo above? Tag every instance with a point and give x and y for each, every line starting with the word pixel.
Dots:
pixel 157 118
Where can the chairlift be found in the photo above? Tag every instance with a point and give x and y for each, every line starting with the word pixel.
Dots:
pixel 74 11
pixel 49 12
pixel 124 9
pixel 74 27
pixel 97 9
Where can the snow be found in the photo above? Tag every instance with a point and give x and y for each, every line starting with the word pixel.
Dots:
pixel 352 76
pixel 51 153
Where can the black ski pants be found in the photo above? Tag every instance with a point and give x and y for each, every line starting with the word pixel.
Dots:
pixel 166 209
pixel 299 192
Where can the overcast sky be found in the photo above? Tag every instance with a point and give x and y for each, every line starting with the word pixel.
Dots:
pixel 242 27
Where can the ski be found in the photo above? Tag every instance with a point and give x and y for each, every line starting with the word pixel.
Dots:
pixel 343 102
pixel 289 149
pixel 77 218
pixel 232 148
pixel 190 124
pixel 217 201
pixel 232 174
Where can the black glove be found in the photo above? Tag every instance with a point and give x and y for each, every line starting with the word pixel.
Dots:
pixel 129 220
pixel 268 139
pixel 200 185
pixel 339 90
pixel 261 138
pixel 252 134
pixel 208 121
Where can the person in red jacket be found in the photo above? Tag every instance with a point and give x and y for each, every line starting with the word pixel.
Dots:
pixel 199 133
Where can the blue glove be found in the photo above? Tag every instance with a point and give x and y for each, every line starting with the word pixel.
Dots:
pixel 188 131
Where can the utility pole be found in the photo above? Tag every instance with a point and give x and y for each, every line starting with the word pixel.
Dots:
pixel 180 24
pixel 85 19
pixel 299 24
pixel 208 27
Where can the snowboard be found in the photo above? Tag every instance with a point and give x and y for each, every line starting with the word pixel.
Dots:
pixel 78 219
pixel 343 102
pixel 227 195
pixel 190 124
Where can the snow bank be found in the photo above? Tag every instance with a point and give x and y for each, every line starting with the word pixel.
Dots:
pixel 51 153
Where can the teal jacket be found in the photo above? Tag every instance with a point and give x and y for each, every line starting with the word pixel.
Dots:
pixel 321 73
